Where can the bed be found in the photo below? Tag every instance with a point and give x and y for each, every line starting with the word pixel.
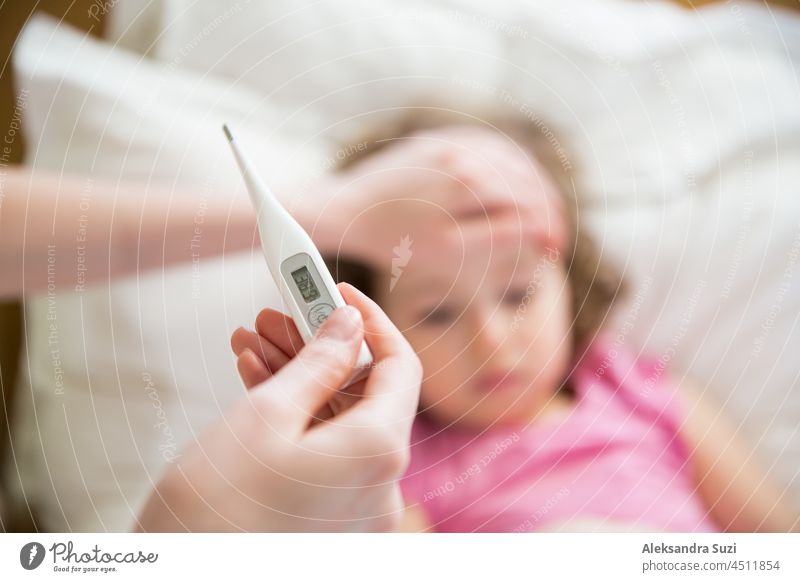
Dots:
pixel 685 122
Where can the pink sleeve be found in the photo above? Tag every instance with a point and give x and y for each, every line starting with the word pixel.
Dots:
pixel 645 385
pixel 657 393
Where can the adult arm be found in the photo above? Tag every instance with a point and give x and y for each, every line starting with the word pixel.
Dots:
pixel 74 231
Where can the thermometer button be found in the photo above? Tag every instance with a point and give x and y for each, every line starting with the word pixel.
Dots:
pixel 319 313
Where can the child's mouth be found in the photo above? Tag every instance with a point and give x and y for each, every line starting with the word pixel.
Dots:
pixel 493 381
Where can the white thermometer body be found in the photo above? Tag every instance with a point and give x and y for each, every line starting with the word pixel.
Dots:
pixel 306 286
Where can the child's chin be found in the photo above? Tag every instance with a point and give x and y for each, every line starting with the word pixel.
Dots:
pixel 481 415
pixel 493 419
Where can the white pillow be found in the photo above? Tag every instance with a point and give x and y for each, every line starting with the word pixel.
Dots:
pixel 144 363
pixel 326 60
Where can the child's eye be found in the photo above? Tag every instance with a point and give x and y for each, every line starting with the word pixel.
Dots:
pixel 438 316
pixel 515 297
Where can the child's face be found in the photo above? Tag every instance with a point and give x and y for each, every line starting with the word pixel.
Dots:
pixel 488 315
pixel 490 321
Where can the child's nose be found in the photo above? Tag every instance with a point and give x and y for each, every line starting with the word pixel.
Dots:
pixel 490 333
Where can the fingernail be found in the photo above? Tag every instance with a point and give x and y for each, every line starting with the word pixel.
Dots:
pixel 342 324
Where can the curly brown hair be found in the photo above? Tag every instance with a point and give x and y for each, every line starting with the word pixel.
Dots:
pixel 595 283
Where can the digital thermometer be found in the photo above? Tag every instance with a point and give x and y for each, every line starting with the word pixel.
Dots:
pixel 305 284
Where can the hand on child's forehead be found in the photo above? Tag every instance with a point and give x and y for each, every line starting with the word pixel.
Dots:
pixel 425 186
pixel 465 247
pixel 453 167
pixel 432 231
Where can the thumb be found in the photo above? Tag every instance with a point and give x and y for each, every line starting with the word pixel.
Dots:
pixel 323 365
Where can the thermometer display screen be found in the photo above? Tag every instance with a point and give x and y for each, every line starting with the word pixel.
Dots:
pixel 305 283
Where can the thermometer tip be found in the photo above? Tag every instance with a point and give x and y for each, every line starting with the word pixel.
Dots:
pixel 227 132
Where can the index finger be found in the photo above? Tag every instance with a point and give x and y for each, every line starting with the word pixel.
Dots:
pixel 391 394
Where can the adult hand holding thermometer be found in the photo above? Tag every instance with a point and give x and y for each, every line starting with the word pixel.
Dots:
pixel 337 472
pixel 305 284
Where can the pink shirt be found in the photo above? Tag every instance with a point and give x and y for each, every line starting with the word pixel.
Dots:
pixel 616 461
